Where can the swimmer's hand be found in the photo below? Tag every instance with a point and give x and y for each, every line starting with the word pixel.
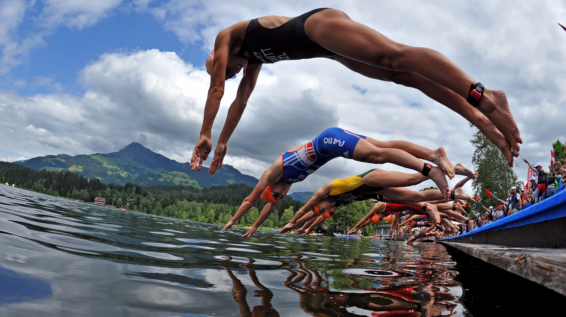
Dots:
pixel 219 154
pixel 353 230
pixel 227 226
pixel 249 233
pixel 288 227
pixel 200 152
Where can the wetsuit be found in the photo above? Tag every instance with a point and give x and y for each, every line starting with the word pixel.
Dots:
pixel 285 42
pixel 350 190
pixel 330 144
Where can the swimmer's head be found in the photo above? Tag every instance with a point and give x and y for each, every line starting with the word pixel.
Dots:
pixel 234 65
pixel 325 208
pixel 375 219
pixel 275 192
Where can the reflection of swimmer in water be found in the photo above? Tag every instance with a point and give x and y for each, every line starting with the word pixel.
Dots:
pixel 316 300
pixel 239 293
pixel 330 33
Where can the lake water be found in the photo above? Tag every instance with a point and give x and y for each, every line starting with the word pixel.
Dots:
pixel 65 258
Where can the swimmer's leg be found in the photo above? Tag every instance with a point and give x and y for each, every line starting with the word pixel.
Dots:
pixel 366 152
pixel 335 31
pixel 437 156
pixel 438 93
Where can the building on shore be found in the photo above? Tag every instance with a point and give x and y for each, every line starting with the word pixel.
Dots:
pixel 99 201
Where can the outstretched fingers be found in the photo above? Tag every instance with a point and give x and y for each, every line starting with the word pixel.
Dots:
pixel 249 233
pixel 227 226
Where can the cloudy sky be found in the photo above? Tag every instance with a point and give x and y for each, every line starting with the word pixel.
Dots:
pixel 81 77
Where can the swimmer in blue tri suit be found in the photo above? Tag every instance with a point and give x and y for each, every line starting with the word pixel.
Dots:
pixel 298 163
pixel 331 34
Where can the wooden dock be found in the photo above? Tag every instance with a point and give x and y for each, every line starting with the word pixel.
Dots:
pixel 546 267
pixel 530 243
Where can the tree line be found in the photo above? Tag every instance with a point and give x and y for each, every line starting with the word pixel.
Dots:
pixel 215 204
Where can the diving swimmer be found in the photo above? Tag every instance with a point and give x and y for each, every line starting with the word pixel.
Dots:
pixel 330 33
pixel 298 163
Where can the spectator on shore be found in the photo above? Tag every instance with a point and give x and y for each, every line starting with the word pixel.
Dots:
pixel 541 182
pixel 500 214
pixel 527 201
pixel 532 185
pixel 515 203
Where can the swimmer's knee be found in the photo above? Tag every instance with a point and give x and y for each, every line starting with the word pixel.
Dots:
pixel 395 58
pixel 403 78
pixel 376 157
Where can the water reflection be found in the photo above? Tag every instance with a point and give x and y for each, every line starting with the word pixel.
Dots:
pixel 73 258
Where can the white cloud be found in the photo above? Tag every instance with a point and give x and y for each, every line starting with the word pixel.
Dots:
pixel 157 99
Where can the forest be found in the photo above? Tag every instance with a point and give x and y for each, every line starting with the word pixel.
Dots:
pixel 215 204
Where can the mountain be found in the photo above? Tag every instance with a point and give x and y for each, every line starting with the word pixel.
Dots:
pixel 301 196
pixel 139 165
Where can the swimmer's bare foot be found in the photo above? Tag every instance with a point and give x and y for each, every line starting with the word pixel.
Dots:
pixel 462 170
pixel 437 176
pixel 495 107
pixel 227 226
pixel 443 162
pixel 460 194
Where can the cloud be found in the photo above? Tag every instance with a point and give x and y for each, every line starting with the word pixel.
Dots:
pixel 154 97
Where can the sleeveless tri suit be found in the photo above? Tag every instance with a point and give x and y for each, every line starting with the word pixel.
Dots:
pixel 330 144
pixel 286 42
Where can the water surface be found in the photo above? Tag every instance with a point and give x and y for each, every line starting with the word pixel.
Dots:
pixel 61 257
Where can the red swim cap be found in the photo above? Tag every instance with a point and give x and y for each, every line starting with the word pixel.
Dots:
pixel 375 219
pixel 267 197
pixel 209 61
pixel 316 209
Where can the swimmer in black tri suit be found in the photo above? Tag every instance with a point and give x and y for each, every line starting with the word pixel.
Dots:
pixel 330 33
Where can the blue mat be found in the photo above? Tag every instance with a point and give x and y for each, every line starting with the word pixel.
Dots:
pixel 549 209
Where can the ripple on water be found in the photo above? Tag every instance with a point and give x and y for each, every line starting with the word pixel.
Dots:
pixel 162 233
pixel 242 250
pixel 156 266
pixel 159 255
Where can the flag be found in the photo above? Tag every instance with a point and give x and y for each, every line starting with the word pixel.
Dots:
pixel 562 26
pixel 530 174
pixel 467 203
pixel 478 198
pixel 552 157
pixel 488 193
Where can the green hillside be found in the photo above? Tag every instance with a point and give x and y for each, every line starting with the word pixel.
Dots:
pixel 139 165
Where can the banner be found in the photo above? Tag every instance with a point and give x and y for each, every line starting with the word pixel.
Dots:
pixel 530 174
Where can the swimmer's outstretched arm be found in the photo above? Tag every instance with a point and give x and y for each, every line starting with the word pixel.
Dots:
pixel 318 195
pixel 376 209
pixel 315 223
pixel 215 93
pixel 247 85
pixel 268 177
